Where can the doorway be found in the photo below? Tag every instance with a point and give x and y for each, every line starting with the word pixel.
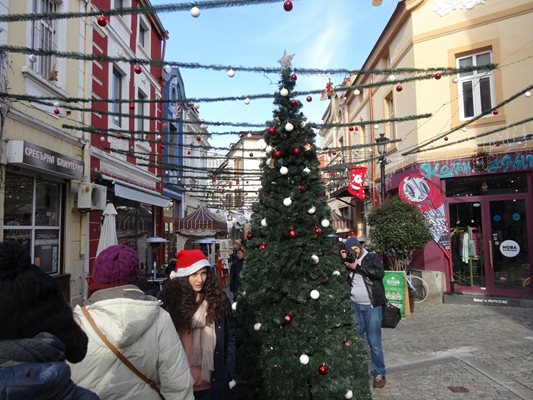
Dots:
pixel 489 218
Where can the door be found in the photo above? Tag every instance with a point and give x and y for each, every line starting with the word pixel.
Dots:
pixel 490 239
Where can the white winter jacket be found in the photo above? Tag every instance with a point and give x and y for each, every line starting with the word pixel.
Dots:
pixel 142 331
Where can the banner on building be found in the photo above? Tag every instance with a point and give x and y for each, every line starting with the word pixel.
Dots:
pixel 357 181
pixel 419 191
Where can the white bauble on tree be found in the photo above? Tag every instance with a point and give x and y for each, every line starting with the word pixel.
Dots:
pixel 195 12
pixel 264 222
pixel 312 210
pixel 284 170
pixel 234 306
pixel 315 294
pixel 231 73
pixel 324 223
pixel 289 127
pixel 315 258
pixel 232 384
pixel 304 359
pixel 307 171
pixel 303 124
pixel 284 92
pixel 336 273
pixel 287 201
pixel 268 149
pixel 348 395
pixel 257 326
pixel 247 101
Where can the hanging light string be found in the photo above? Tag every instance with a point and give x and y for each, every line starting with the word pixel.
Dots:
pixel 417 149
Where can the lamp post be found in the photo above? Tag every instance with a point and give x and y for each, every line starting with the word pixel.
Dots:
pixel 382 145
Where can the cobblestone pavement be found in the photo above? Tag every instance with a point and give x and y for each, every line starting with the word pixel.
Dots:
pixel 450 351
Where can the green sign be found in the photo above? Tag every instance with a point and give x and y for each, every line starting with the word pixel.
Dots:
pixel 395 285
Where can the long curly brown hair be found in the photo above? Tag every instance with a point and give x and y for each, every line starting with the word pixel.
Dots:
pixel 180 300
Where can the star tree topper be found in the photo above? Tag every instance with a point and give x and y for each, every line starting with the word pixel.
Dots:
pixel 286 60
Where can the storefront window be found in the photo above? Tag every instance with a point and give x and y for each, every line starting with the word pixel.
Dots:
pixel 486 185
pixel 32 215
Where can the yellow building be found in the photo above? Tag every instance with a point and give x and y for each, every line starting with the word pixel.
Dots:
pixel 468 164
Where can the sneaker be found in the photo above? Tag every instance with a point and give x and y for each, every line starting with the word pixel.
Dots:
pixel 379 381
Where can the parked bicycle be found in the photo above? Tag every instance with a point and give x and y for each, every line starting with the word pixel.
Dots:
pixel 417 286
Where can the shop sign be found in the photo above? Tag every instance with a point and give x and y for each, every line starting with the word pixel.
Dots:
pixel 395 288
pixel 509 248
pixel 20 152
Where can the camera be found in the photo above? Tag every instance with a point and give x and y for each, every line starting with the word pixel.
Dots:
pixel 350 255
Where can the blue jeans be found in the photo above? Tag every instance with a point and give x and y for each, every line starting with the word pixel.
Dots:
pixel 368 319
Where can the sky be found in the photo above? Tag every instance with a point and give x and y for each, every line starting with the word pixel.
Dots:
pixel 322 34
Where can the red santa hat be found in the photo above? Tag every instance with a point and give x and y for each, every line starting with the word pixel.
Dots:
pixel 188 262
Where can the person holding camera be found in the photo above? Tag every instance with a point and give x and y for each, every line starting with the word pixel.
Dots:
pixel 367 294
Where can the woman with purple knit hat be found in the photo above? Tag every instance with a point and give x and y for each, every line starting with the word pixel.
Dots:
pixel 136 326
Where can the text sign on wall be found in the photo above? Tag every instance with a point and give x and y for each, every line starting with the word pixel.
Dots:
pixel 28 154
pixel 394 285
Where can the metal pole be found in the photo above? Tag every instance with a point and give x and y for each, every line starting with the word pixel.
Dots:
pixel 382 167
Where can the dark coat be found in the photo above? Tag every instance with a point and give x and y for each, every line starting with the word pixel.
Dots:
pixel 225 358
pixel 372 270
pixel 35 369
pixel 235 279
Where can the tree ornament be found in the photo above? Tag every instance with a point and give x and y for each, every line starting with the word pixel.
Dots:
pixel 231 73
pixel 188 152
pixel 296 151
pixel 287 6
pixel 251 154
pixel 293 102
pixel 303 124
pixel 315 258
pixel 346 343
pixel 315 294
pixel 292 233
pixel 287 201
pixel 102 138
pixel 304 359
pixel 57 111
pixel 527 94
pixel 195 12
pixel 138 69
pixel 289 127
pixel 234 306
pixel 287 318
pixel 356 92
pixel 132 106
pixel 268 149
pixel 333 153
pixel 247 101
pixel 350 128
pixel 301 188
pixel 325 280
pixel 356 128
pixel 324 223
pixel 284 170
pixel 264 222
pixel 306 171
pixel 495 111
pixel 249 236
pixel 32 58
pixel 391 78
pixel 348 395
pixel 336 273
pixel 102 21
pixel 318 231
pixel 232 384
pixel 262 246
pixel 309 99
pixel 437 75
pixel 323 369
pixel 312 210
pixel 293 77
pixel 445 138
pixel 271 131
pixel 257 326
pixel 399 88
pixel 284 92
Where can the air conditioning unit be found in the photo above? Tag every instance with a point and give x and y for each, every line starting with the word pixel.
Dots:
pixel 91 196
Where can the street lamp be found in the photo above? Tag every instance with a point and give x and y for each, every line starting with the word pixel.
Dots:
pixel 382 145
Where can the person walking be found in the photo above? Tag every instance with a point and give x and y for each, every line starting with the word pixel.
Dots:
pixel 37 334
pixel 122 321
pixel 367 294
pixel 235 272
pixel 202 316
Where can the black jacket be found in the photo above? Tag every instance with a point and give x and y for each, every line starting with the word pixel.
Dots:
pixel 372 270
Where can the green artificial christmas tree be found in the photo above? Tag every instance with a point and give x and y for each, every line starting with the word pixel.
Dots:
pixel 296 335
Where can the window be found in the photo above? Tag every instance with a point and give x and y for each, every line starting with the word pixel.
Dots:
pixel 119 4
pixel 32 211
pixel 116 94
pixel 143 34
pixel 475 87
pixel 44 38
pixel 389 114
pixel 141 115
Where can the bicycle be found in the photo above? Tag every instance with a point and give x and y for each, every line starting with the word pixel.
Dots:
pixel 418 286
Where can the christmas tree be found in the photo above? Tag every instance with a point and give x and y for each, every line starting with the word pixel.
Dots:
pixel 296 337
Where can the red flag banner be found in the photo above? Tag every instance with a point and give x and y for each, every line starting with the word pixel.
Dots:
pixel 357 181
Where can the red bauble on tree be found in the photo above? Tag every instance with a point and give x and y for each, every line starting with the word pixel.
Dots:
pixel 293 77
pixel 346 343
pixel 271 131
pixel 292 233
pixel 318 231
pixel 102 21
pixel 301 188
pixel 138 69
pixel 249 236
pixel 262 246
pixel 323 369
pixel 350 128
pixel 293 102
pixel 437 75
pixel 309 99
pixel 277 154
pixel 287 6
pixel 287 318
pixel 296 151
pixel 251 154
pixel 445 138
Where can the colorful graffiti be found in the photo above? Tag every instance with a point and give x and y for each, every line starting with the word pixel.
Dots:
pixel 498 164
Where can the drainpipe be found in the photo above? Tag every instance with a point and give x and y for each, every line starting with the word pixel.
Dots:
pixel 372 135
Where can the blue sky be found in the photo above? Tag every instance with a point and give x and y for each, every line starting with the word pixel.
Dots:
pixel 322 34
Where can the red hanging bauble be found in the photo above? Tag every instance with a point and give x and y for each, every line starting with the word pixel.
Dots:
pixel 323 369
pixel 437 75
pixel 346 343
pixel 318 231
pixel 495 111
pixel 251 154
pixel 277 154
pixel 293 77
pixel 188 152
pixel 287 6
pixel 446 138
pixel 262 246
pixel 271 131
pixel 301 188
pixel 296 151
pixel 350 128
pixel 137 69
pixel 288 318
pixel 102 21
pixel 399 88
pixel 309 99
pixel 199 138
pixel 356 128
pixel 292 233
pixel 293 102
pixel 132 106
pixel 249 236
pixel 57 111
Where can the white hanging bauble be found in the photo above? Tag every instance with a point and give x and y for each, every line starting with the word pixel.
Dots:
pixel 315 258
pixel 527 94
pixel 247 101
pixel 264 222
pixel 231 73
pixel 307 171
pixel 284 170
pixel 232 384
pixel 304 359
pixel 56 103
pixel 315 294
pixel 284 92
pixel 287 201
pixel 195 12
pixel 391 78
pixel 312 210
pixel 356 92
pixel 268 149
pixel 257 326
pixel 289 127
pixel 324 223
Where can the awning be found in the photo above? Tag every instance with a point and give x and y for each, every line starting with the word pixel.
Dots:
pixel 140 195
